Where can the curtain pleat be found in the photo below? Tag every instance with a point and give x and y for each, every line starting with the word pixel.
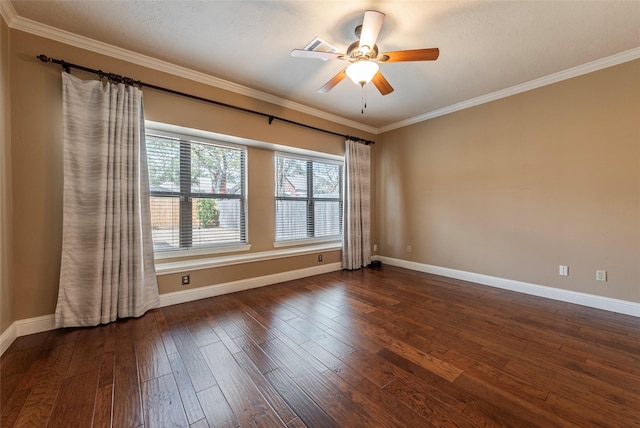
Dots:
pixel 107 266
pixel 356 245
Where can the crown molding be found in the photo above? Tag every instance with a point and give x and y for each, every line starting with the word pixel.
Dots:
pixel 66 37
pixel 8 12
pixel 16 22
pixel 569 73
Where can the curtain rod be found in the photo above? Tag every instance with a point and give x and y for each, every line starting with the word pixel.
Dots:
pixel 66 66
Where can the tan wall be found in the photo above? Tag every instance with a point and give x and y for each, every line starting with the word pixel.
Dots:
pixel 6 296
pixel 518 186
pixel 512 188
pixel 200 278
pixel 37 163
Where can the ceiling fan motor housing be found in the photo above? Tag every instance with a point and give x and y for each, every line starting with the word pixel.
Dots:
pixel 354 52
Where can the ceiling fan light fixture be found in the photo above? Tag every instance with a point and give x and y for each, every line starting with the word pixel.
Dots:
pixel 361 72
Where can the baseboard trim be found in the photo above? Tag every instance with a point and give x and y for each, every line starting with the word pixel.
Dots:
pixel 7 337
pixel 25 327
pixel 36 325
pixel 47 322
pixel 190 295
pixel 584 299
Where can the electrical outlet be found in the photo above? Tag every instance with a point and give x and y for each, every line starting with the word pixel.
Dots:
pixel 375 247
pixel 601 275
pixel 319 257
pixel 408 248
pixel 186 279
pixel 564 270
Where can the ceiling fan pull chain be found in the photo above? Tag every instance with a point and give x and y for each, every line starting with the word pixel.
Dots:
pixel 364 89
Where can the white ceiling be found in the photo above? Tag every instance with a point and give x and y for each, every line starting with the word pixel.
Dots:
pixel 485 47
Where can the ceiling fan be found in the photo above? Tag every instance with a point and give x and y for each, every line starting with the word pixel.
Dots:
pixel 363 56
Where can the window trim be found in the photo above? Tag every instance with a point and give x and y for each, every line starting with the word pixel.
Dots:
pixel 196 258
pixel 241 141
pixel 200 137
pixel 178 266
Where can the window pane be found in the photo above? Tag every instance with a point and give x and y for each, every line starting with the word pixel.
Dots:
pixel 182 171
pixel 326 180
pixel 291 219
pixel 216 169
pixel 163 155
pixel 327 218
pixel 217 221
pixel 301 184
pixel 291 177
pixel 164 222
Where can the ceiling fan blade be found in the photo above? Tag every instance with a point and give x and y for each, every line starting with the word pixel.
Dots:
pixel 371 26
pixel 382 84
pixel 303 53
pixel 333 82
pixel 430 54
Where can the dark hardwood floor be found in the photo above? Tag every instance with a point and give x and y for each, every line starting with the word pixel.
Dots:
pixel 379 348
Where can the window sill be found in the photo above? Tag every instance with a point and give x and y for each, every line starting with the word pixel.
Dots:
pixel 215 262
pixel 309 241
pixel 177 254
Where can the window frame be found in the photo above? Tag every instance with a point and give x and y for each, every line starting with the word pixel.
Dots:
pixel 310 199
pixel 185 195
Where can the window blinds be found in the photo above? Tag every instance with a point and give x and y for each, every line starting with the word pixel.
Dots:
pixel 308 199
pixel 197 192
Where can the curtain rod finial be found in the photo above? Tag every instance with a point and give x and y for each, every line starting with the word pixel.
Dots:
pixel 44 58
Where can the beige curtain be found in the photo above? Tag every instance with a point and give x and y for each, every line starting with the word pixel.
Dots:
pixel 356 244
pixel 107 267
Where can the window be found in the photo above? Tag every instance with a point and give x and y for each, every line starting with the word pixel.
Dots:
pixel 308 198
pixel 198 195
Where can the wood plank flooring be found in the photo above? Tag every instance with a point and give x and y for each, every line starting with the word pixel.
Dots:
pixel 370 348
